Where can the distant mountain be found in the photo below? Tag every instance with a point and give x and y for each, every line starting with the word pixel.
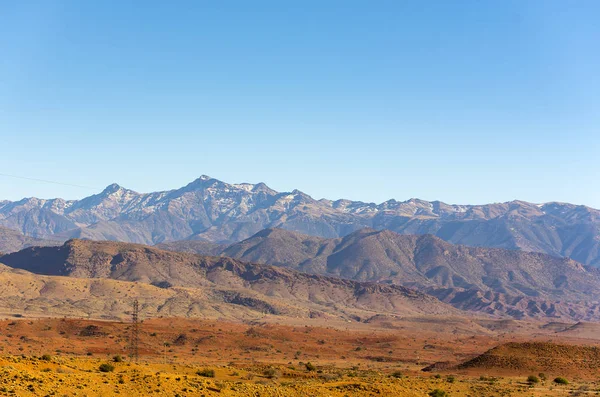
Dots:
pixel 12 241
pixel 194 283
pixel 491 280
pixel 213 211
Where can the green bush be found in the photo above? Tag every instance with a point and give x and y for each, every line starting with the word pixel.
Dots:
pixel 450 379
pixel 531 379
pixel 542 376
pixel 396 374
pixel 46 357
pixel 106 367
pixel 207 373
pixel 310 367
pixel 117 358
pixel 437 393
pixel 561 381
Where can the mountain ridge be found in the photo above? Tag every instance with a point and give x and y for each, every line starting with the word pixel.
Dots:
pixel 214 211
pixel 265 288
pixel 490 280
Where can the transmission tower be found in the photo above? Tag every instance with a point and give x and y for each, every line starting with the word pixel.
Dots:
pixel 135 332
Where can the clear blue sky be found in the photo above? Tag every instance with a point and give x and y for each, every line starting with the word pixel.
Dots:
pixel 460 101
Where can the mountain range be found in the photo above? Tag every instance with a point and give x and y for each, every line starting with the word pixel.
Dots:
pixel 213 211
pixel 490 280
pixel 282 273
pixel 101 279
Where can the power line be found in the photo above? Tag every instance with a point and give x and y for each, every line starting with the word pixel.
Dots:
pixel 48 181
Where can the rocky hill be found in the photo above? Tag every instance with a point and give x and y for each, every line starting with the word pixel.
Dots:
pixel 537 357
pixel 102 277
pixel 491 280
pixel 218 212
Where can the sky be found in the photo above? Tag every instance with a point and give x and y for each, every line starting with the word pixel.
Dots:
pixel 467 102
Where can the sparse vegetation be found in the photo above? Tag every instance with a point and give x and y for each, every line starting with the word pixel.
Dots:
pixel 396 374
pixel 561 381
pixel 532 379
pixel 68 367
pixel 205 372
pixel 92 330
pixel 106 367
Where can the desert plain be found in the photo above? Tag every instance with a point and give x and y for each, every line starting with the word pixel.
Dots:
pixel 387 356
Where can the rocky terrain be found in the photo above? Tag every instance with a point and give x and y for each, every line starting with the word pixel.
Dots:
pixel 218 212
pixel 490 280
pixel 100 280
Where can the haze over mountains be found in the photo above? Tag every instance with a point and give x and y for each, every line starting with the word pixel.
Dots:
pixel 12 240
pixel 218 212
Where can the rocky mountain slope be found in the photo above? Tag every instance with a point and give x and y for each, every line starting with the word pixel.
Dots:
pixel 97 277
pixel 12 241
pixel 496 281
pixel 218 212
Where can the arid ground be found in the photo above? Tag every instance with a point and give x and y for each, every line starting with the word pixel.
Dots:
pixel 183 357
